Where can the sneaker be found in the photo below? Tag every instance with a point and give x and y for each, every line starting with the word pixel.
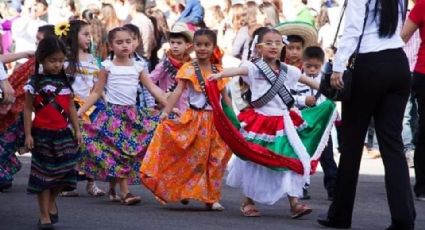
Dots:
pixel 214 206
pixel 93 190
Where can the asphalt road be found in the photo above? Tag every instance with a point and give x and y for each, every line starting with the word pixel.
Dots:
pixel 19 211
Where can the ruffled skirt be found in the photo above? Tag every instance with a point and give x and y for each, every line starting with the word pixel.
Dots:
pixel 116 141
pixel 186 159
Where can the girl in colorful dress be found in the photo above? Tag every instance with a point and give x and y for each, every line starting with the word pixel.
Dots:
pixel 187 158
pixel 82 68
pixel 12 120
pixel 116 141
pixel 52 143
pixel 164 74
pixel 270 122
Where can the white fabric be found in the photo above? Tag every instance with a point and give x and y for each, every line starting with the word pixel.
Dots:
pixel 197 99
pixel 84 83
pixel 371 42
pixel 262 184
pixel 301 88
pixel 3 74
pixel 259 86
pixel 122 82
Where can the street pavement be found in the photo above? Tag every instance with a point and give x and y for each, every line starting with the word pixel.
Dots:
pixel 19 211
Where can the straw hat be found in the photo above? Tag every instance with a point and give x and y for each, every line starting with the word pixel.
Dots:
pixel 305 30
pixel 182 28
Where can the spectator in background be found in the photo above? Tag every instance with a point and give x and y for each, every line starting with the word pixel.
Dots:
pixel 193 13
pixel 303 12
pixel 122 9
pixel 271 14
pixel 108 17
pixel 139 18
pixel 24 29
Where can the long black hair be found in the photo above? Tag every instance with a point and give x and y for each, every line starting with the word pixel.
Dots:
pixel 72 44
pixel 49 45
pixel 388 11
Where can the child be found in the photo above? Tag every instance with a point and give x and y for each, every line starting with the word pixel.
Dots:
pixel 116 141
pixel 12 123
pixel 270 122
pixel 81 67
pixel 164 75
pixel 313 59
pixel 52 143
pixel 187 158
pixel 144 99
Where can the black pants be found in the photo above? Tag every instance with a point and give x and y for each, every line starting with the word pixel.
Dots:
pixel 419 159
pixel 329 168
pixel 380 89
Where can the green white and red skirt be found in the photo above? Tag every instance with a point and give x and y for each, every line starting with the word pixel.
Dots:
pixel 299 136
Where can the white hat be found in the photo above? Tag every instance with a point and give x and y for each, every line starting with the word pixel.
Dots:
pixel 183 29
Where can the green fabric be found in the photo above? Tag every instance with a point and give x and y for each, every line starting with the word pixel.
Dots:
pixel 305 16
pixel 231 115
pixel 317 119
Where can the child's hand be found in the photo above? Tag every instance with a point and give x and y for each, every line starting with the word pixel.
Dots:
pixel 215 76
pixel 163 116
pixel 29 142
pixel 79 138
pixel 310 101
pixel 176 111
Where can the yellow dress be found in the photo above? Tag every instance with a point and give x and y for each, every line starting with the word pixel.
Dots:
pixel 187 158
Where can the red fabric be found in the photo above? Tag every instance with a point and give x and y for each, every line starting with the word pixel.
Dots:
pixel 242 148
pixel 261 124
pixel 417 15
pixel 175 62
pixel 18 79
pixel 50 118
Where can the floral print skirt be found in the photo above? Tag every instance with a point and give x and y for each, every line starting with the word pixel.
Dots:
pixel 10 141
pixel 186 159
pixel 116 142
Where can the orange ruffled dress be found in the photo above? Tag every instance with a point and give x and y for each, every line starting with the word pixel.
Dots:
pixel 187 157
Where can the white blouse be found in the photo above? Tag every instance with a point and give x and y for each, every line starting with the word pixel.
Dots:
pixel 371 42
pixel 122 82
pixel 259 85
pixel 85 77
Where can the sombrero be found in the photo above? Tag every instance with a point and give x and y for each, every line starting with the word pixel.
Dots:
pixel 305 30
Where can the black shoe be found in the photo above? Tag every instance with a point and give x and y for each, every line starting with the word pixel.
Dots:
pixel 54 218
pixel 305 196
pixel 48 226
pixel 393 227
pixel 5 186
pixel 325 221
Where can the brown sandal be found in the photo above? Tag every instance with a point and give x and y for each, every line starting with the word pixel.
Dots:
pixel 249 210
pixel 130 199
pixel 300 210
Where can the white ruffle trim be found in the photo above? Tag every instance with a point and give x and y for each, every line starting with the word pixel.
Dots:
pixel 297 145
pixel 250 135
pixel 47 88
pixel 262 184
pixel 326 135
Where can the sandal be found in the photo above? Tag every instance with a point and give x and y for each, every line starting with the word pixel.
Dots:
pixel 249 210
pixel 93 190
pixel 113 195
pixel 214 206
pixel 300 210
pixel 130 199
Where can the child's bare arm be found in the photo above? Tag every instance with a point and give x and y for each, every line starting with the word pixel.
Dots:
pixel 175 96
pixel 74 121
pixel 28 109
pixel 153 89
pixel 96 93
pixel 309 81
pixel 230 72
